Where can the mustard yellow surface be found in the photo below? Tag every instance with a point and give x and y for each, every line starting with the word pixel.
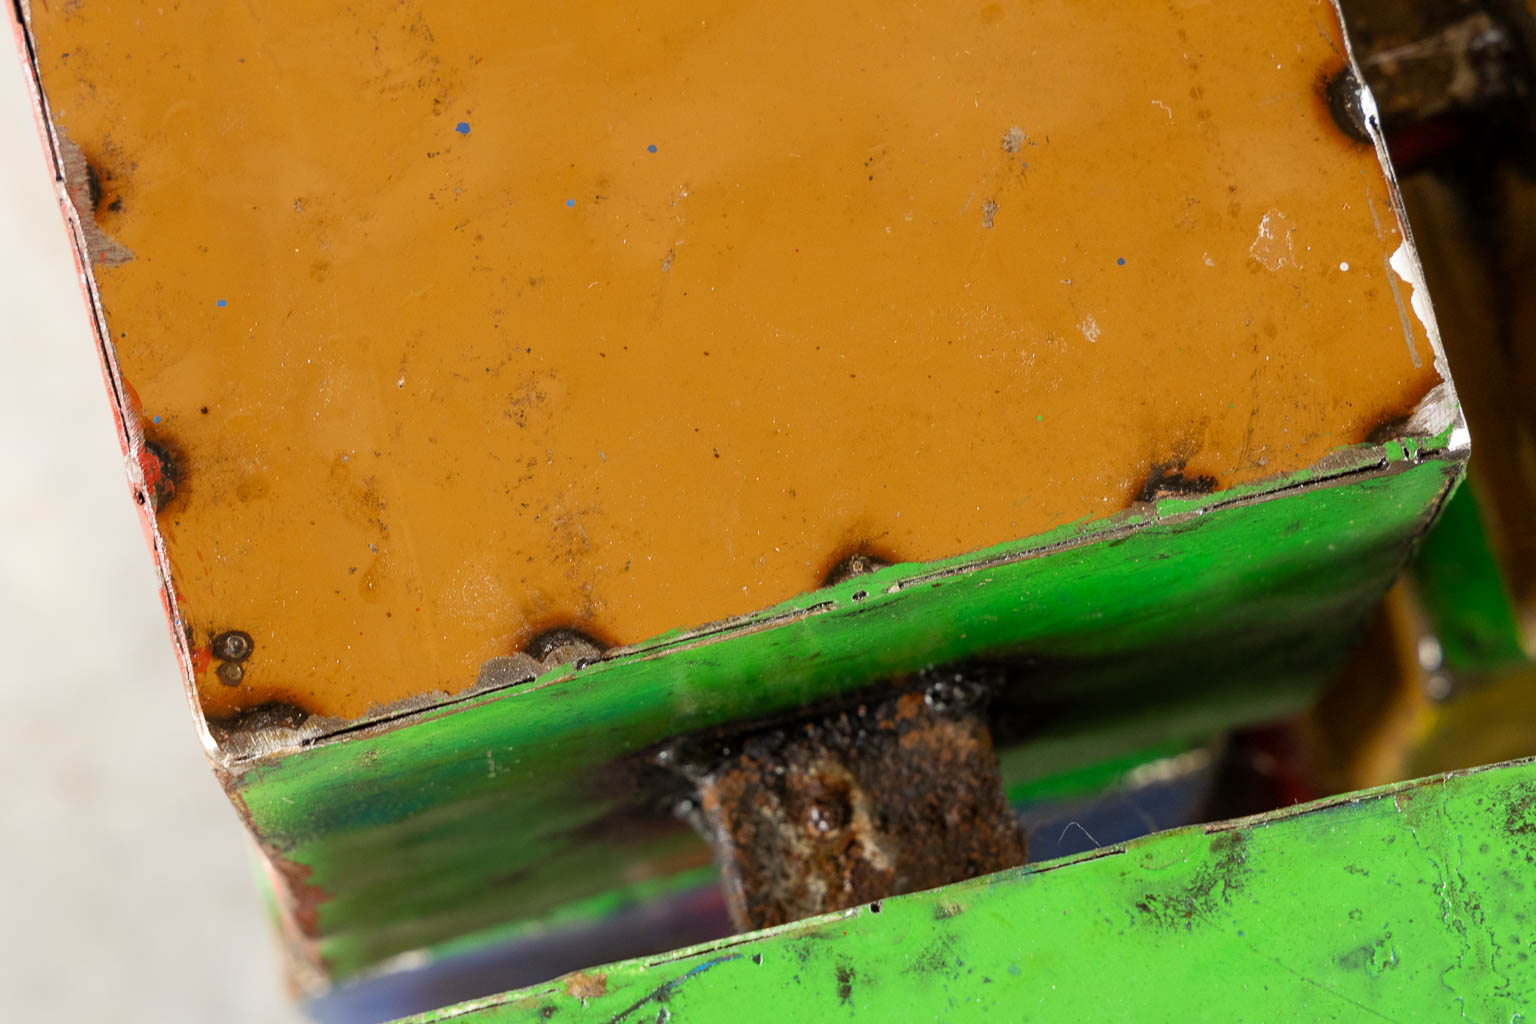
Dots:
pixel 465 320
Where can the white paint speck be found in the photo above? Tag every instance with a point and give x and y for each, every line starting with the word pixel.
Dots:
pixel 1344 267
pixel 1089 329
pixel 401 382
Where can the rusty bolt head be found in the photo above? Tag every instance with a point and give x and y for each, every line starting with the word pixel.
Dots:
pixel 230 673
pixel 233 645
pixel 823 819
pixel 828 807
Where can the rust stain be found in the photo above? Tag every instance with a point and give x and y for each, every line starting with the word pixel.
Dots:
pixel 297 900
pixel 161 463
pixel 92 189
pixel 1171 478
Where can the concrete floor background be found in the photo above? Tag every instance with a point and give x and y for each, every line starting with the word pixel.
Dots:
pixel 129 892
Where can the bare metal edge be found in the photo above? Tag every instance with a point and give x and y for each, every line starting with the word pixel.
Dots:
pixel 1440 409
pixel 130 432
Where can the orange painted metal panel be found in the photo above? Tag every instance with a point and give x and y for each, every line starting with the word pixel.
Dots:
pixel 450 323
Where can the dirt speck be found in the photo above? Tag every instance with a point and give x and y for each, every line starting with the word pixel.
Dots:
pixel 583 985
pixel 845 976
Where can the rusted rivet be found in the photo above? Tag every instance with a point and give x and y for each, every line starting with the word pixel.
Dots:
pixel 857 564
pixel 564 643
pixel 162 471
pixel 230 673
pixel 233 645
pixel 1342 91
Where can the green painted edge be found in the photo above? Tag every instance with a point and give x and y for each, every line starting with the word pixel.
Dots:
pixel 459 818
pixel 581 913
pixel 1093 778
pixel 1406 902
pixel 1464 594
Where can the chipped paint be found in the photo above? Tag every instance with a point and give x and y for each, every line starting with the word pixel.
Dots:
pixel 1272 247
pixel 1439 410
pixel 1088 327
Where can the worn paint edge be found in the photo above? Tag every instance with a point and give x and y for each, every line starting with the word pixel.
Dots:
pixel 1439 410
pixel 1341 467
pixel 130 430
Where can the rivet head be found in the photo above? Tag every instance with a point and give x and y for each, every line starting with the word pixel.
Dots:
pixel 233 645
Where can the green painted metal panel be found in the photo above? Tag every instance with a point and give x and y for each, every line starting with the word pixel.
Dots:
pixel 1464 592
pixel 1406 903
pixel 1119 635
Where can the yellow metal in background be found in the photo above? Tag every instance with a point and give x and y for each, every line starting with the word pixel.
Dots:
pixel 456 322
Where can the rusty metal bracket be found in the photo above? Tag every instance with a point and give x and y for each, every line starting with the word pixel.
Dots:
pixel 891 796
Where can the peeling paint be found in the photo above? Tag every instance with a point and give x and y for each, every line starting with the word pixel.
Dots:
pixel 1272 246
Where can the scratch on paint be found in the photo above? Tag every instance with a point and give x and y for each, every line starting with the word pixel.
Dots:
pixel 1402 313
pixel 1375 220
pixel 660 993
pixel 1326 989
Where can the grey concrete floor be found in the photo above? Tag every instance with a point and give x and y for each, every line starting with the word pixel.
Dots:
pixel 129 892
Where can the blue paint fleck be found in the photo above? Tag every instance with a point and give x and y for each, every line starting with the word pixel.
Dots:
pixel 157 419
pixel 706 965
pixel 221 303
pixel 651 148
pixel 570 202
pixel 462 127
pixel 1120 261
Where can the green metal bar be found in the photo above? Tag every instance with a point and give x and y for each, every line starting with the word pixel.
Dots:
pixel 1406 903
